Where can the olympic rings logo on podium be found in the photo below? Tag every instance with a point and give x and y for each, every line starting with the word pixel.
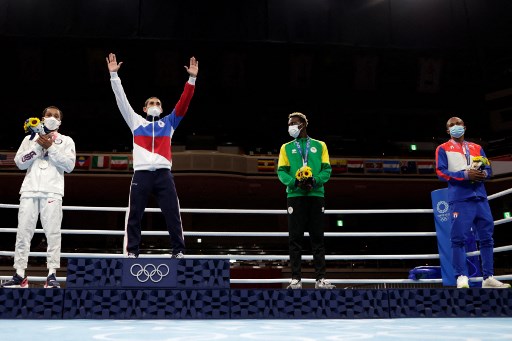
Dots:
pixel 149 272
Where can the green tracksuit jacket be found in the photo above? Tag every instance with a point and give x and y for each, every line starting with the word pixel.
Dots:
pixel 290 160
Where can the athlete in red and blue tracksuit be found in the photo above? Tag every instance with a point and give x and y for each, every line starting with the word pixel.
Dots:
pixel 152 159
pixel 466 196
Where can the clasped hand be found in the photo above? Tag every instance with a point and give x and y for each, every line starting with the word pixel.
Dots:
pixel 45 141
pixel 476 175
pixel 306 184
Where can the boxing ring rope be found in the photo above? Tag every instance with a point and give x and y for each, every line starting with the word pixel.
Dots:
pixel 234 258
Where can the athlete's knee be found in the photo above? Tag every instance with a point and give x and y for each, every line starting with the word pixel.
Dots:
pixel 488 242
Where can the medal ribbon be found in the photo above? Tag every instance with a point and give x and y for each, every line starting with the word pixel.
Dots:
pixel 304 155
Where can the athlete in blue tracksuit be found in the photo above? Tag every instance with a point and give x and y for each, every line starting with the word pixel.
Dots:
pixel 456 164
pixel 152 160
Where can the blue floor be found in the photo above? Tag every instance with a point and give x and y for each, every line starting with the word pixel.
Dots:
pixel 435 329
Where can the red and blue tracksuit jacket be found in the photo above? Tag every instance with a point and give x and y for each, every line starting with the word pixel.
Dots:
pixel 453 160
pixel 152 139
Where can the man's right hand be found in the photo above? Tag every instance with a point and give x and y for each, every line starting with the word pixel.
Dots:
pixel 476 175
pixel 112 64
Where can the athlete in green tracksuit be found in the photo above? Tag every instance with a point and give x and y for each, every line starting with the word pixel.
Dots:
pixel 305 198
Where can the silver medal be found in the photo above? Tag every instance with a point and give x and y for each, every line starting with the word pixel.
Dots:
pixel 43 164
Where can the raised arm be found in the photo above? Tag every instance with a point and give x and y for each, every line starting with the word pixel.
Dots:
pixel 130 116
pixel 112 64
pixel 192 69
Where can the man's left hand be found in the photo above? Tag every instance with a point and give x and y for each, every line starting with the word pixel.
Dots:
pixel 193 68
pixel 45 141
pixel 307 185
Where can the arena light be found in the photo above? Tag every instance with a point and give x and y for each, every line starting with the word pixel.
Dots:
pixel 506 215
pixel 414 147
pixel 339 223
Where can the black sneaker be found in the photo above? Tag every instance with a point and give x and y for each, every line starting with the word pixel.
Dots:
pixel 51 282
pixel 16 282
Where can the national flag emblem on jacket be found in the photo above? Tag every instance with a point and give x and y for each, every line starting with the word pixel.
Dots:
pixel 119 163
pixel 82 162
pixel 100 162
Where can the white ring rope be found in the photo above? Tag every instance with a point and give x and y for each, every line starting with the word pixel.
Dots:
pixel 499 194
pixel 234 258
pixel 237 234
pixel 239 211
pixel 256 257
pixel 228 211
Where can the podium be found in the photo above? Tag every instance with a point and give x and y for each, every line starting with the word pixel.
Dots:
pixel 166 288
pixel 142 288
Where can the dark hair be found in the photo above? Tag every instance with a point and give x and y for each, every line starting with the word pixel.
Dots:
pixel 301 117
pixel 52 107
pixel 146 103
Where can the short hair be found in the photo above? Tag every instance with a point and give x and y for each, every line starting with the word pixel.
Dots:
pixel 52 107
pixel 146 103
pixel 299 115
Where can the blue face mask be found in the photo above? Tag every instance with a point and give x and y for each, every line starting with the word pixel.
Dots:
pixel 457 131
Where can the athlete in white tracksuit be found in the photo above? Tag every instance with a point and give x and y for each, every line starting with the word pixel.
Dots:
pixel 46 158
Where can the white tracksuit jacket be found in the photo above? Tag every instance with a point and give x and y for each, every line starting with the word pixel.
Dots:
pixel 41 194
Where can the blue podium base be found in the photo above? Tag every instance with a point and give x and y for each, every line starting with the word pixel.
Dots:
pixel 252 304
pixel 164 288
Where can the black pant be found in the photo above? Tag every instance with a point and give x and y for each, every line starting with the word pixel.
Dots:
pixel 306 214
pixel 161 184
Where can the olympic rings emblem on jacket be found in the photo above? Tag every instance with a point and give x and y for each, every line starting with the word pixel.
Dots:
pixel 149 272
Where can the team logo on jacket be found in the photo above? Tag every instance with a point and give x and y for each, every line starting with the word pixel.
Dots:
pixel 161 124
pixel 294 151
pixel 442 211
pixel 57 141
pixel 313 150
pixel 28 156
pixel 442 206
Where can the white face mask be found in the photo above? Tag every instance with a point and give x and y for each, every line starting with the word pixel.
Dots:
pixel 154 111
pixel 294 131
pixel 51 123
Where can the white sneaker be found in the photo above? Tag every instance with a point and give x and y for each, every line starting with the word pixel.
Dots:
pixel 178 255
pixel 493 283
pixel 462 282
pixel 295 284
pixel 132 255
pixel 324 284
